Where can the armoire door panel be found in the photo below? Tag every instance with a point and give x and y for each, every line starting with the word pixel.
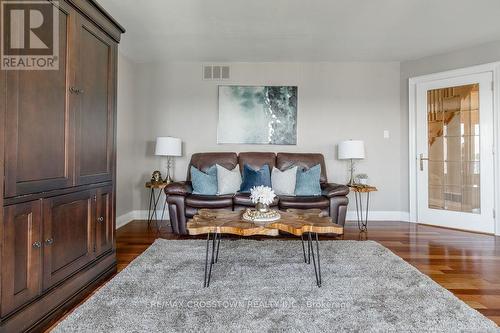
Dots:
pixel 96 105
pixel 68 230
pixel 104 234
pixel 38 143
pixel 57 155
pixel 21 255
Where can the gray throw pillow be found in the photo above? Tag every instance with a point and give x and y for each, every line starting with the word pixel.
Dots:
pixel 204 183
pixel 283 182
pixel 228 181
pixel 308 182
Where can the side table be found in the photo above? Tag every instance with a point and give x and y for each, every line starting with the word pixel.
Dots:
pixel 358 190
pixel 154 198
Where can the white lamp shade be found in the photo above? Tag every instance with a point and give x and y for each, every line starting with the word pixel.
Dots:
pixel 168 146
pixel 352 149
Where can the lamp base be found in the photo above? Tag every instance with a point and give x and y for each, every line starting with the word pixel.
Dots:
pixel 351 181
pixel 170 164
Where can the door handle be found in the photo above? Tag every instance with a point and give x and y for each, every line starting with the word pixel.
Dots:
pixel 422 159
pixel 100 219
pixel 77 91
pixel 37 245
pixel 49 241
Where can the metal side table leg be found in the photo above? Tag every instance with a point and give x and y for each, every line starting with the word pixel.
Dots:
pixel 150 216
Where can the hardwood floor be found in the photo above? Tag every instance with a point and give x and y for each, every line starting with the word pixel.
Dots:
pixel 467 264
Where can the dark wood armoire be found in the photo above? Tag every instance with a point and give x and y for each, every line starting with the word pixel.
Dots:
pixel 57 152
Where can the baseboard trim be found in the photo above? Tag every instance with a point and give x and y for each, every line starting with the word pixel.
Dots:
pixel 126 218
pixel 381 216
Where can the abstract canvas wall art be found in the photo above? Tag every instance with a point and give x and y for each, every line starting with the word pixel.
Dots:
pixel 257 115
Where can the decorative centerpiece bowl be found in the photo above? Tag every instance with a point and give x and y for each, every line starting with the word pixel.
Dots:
pixel 261 218
pixel 260 207
pixel 262 197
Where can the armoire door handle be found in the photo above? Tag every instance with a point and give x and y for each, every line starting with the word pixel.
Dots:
pixel 100 219
pixel 49 241
pixel 37 245
pixel 77 91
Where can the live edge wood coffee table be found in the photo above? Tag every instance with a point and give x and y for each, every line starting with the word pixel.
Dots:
pixel 301 223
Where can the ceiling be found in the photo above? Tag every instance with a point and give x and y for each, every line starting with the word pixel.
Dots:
pixel 301 30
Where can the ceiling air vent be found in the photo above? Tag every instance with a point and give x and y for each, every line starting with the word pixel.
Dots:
pixel 215 72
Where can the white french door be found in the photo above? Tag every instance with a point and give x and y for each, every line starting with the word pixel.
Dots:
pixel 454 145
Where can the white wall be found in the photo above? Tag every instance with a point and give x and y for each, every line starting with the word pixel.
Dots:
pixel 480 54
pixel 135 162
pixel 336 101
pixel 126 139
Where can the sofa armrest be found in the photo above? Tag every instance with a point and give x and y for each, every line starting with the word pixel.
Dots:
pixel 331 190
pixel 179 188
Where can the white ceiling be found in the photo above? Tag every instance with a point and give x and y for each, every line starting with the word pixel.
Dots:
pixel 301 30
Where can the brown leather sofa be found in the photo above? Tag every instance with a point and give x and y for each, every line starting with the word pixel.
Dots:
pixel 182 204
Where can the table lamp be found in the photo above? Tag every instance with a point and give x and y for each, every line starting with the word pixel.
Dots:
pixel 351 150
pixel 169 147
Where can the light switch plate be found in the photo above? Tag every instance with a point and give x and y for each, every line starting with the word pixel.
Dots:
pixel 386 134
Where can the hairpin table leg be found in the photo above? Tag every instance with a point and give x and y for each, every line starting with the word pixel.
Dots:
pixel 211 237
pixel 315 258
pixel 303 248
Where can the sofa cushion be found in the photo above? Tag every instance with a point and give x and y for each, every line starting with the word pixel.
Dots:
pixel 257 160
pixel 203 161
pixel 210 201
pixel 304 202
pixel 243 199
pixel 228 181
pixel 204 183
pixel 253 177
pixel 308 182
pixel 303 161
pixel 283 182
pixel 191 211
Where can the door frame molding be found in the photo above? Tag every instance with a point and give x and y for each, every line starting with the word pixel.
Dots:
pixel 412 143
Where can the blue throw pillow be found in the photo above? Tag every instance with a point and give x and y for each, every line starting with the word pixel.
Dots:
pixel 253 177
pixel 308 182
pixel 204 183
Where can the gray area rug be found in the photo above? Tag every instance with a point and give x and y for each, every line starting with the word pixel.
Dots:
pixel 265 286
